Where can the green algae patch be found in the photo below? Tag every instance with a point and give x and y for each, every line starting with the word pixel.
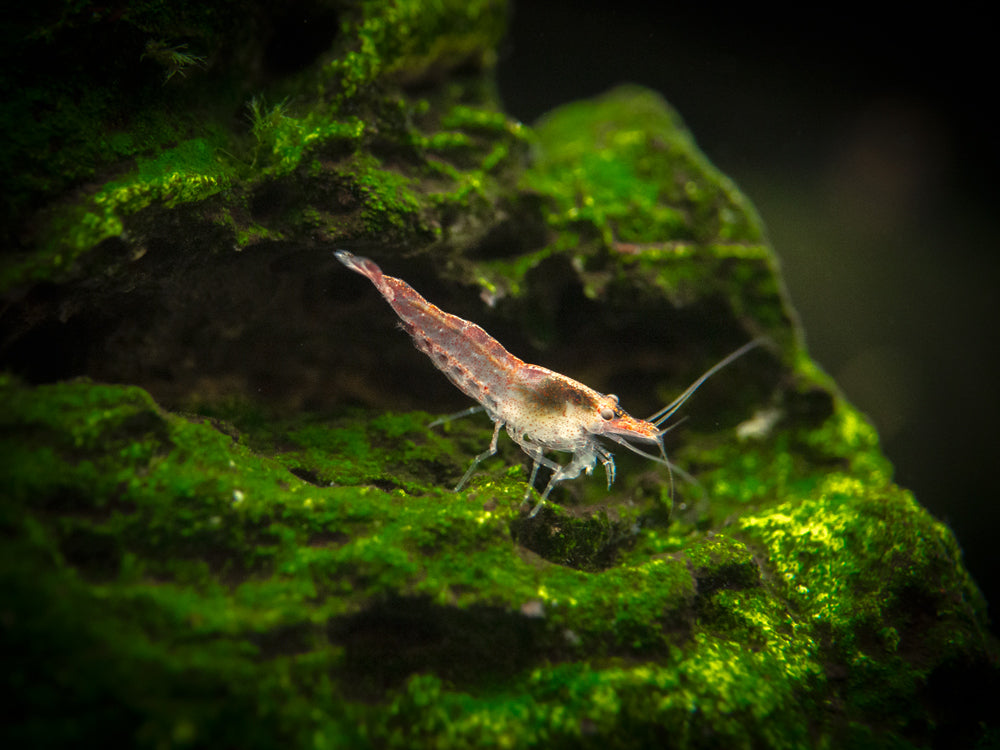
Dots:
pixel 625 163
pixel 858 550
pixel 203 123
pixel 411 40
pixel 253 565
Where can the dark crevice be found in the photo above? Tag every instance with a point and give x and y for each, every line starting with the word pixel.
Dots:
pixel 399 637
pixel 592 541
pixel 310 476
pixel 299 33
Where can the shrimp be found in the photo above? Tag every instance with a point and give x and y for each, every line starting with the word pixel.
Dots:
pixel 541 410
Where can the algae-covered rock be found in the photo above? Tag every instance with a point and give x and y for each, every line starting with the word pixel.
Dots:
pixel 227 520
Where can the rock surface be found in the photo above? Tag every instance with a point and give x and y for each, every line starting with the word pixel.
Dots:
pixel 225 520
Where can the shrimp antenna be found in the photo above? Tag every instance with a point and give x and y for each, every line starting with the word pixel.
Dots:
pixel 672 468
pixel 668 411
pixel 661 459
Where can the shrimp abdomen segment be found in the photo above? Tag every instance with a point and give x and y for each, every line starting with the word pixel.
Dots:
pixel 472 359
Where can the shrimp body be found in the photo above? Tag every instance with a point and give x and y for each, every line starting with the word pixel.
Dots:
pixel 541 410
pixel 470 358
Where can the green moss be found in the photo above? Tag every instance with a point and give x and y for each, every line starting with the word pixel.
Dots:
pixel 625 163
pixel 710 698
pixel 463 116
pixel 290 139
pixel 180 145
pixel 410 39
pixel 80 131
pixel 851 540
pixel 86 92
pixel 197 556
pixel 189 172
pixel 390 203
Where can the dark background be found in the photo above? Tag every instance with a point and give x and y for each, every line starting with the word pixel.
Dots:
pixel 869 147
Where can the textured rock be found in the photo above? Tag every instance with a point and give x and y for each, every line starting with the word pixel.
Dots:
pixel 225 523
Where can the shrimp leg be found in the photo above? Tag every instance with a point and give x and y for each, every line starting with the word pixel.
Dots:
pixel 481 457
pixel 537 455
pixel 457 415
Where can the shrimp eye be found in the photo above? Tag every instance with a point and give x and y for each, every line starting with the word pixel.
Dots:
pixel 607 412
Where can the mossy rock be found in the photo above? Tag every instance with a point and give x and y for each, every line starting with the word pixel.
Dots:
pixel 228 521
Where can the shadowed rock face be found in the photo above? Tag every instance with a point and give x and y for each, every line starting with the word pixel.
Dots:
pixel 219 502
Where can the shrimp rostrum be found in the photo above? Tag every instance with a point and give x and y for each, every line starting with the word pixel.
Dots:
pixel 540 409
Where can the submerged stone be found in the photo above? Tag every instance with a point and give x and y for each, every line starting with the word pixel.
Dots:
pixel 227 520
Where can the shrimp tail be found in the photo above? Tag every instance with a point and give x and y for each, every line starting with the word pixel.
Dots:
pixel 468 356
pixel 367 268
